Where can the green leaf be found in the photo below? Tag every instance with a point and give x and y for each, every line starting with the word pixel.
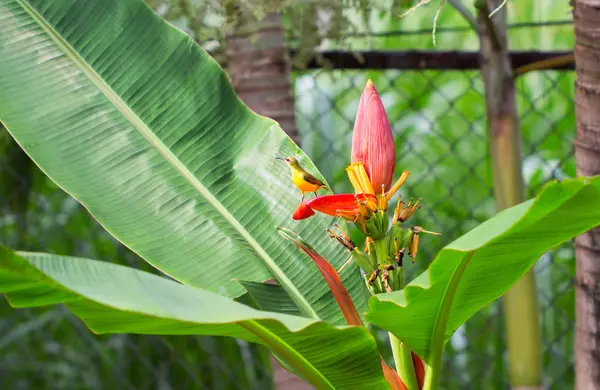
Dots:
pixel 271 297
pixel 130 117
pixel 111 298
pixel 483 264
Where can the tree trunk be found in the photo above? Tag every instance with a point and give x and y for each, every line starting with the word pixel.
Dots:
pixel 586 15
pixel 520 304
pixel 260 69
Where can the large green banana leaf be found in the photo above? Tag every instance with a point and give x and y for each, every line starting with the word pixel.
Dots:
pixel 482 265
pixel 129 116
pixel 111 298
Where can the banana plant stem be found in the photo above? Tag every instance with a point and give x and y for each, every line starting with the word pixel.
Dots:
pixel 402 355
pixel 432 376
pixel 404 363
pixel 434 361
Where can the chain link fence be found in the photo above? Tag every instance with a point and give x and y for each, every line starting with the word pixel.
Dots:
pixel 439 123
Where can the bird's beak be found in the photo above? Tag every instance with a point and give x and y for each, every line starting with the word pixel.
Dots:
pixel 280 158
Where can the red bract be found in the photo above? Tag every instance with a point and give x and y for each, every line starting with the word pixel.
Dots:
pixel 392 377
pixel 332 278
pixel 342 297
pixel 373 141
pixel 302 211
pixel 419 366
pixel 344 205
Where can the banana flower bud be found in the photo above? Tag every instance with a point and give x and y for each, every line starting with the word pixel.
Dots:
pixel 373 141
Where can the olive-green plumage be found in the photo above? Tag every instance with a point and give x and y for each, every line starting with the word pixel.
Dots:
pixel 302 179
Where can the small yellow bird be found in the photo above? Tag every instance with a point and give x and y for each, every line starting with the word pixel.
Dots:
pixel 302 179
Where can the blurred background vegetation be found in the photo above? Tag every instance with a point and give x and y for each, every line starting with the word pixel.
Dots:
pixel 438 118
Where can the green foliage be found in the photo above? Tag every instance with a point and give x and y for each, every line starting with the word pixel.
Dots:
pixel 194 170
pixel 49 348
pixel 438 118
pixel 308 24
pixel 480 266
pixel 115 299
pixel 466 276
pixel 109 152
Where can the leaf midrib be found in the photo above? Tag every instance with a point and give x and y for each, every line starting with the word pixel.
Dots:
pixel 291 355
pixel 172 159
pixel 434 355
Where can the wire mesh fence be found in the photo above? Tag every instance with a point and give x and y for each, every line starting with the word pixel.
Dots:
pixel 439 122
pixel 438 118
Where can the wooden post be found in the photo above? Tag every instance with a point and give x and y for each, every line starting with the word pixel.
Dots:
pixel 586 17
pixel 259 65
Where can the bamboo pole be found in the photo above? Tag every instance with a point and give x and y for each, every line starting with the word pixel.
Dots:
pixel 520 304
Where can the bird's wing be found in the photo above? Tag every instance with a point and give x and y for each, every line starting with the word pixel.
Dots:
pixel 312 180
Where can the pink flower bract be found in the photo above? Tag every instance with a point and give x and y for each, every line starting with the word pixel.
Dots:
pixel 373 141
